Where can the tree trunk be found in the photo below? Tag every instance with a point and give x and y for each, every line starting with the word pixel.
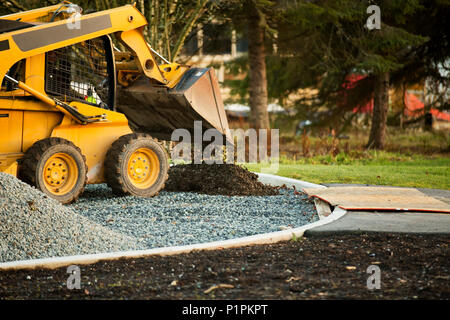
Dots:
pixel 379 114
pixel 259 118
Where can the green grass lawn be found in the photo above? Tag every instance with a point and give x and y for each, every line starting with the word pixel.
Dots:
pixel 373 168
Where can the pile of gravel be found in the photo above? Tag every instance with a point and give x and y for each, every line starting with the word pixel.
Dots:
pixel 217 179
pixel 35 226
pixel 182 218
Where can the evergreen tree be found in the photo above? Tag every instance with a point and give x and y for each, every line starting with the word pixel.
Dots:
pixel 333 40
pixel 325 45
pixel 255 16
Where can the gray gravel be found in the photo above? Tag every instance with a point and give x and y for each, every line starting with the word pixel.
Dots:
pixel 35 226
pixel 180 218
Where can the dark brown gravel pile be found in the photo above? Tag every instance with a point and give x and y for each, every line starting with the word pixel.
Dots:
pixel 217 179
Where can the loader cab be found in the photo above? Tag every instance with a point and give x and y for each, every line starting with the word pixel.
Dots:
pixel 83 72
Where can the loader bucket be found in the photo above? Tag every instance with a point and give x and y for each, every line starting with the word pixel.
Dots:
pixel 159 110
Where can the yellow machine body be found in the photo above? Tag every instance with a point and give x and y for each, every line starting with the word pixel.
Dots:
pixel 28 114
pixel 24 121
pixel 18 132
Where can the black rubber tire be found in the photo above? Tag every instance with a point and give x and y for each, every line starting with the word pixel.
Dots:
pixel 32 166
pixel 116 162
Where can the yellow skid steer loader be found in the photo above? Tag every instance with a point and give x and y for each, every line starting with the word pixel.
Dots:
pixel 75 110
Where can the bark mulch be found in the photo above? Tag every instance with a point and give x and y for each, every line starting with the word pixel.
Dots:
pixel 335 267
pixel 217 179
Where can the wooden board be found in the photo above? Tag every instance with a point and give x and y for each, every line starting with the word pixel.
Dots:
pixel 379 198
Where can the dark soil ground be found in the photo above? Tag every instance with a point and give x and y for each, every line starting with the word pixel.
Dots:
pixel 412 267
pixel 217 179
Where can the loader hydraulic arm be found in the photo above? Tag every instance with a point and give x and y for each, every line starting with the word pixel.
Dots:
pixel 61 106
pixel 155 98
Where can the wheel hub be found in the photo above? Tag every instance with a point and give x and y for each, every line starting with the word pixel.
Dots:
pixel 56 172
pixel 143 168
pixel 60 173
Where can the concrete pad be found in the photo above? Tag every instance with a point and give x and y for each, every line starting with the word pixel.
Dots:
pixel 443 195
pixel 379 198
pixel 355 222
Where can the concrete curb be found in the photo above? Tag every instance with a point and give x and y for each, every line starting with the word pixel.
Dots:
pixel 289 182
pixel 266 238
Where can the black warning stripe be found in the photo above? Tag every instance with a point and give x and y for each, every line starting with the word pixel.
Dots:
pixel 34 39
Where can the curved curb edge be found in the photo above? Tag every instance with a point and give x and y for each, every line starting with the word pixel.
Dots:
pixel 265 238
pixel 289 182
